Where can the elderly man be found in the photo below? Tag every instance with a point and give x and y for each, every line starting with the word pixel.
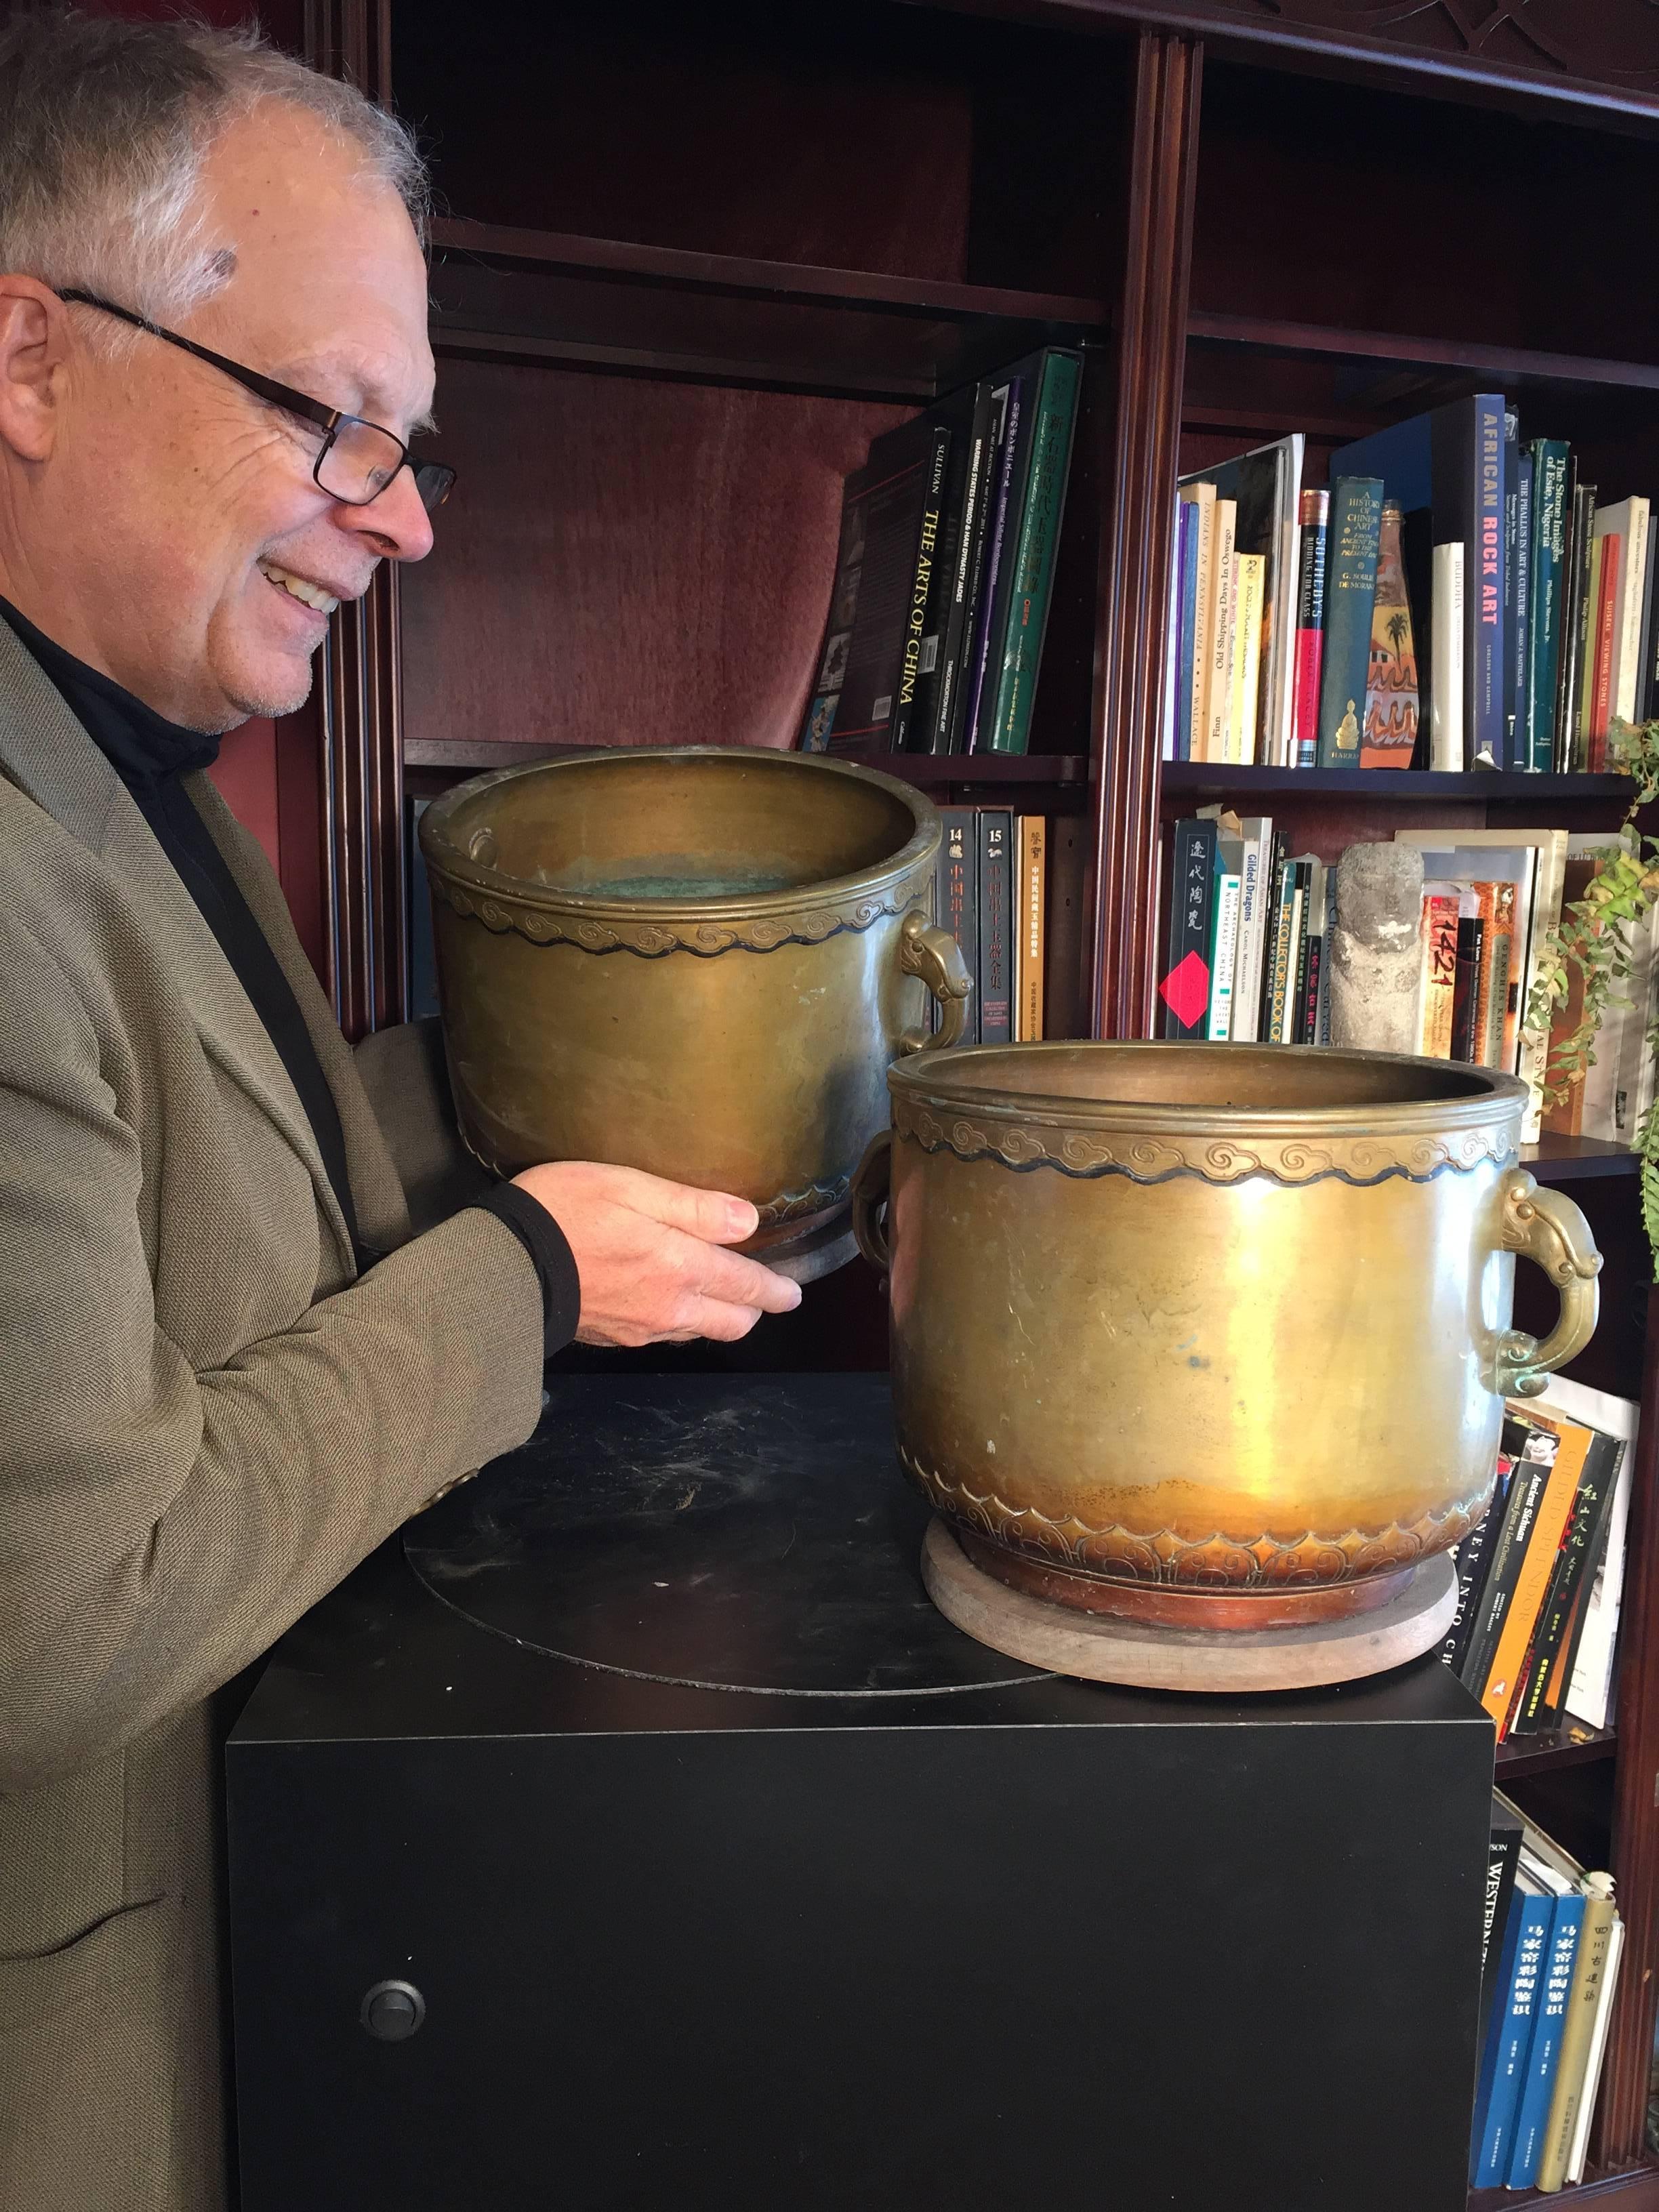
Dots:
pixel 230 1370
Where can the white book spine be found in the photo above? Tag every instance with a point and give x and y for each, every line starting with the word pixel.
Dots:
pixel 1246 965
pixel 1636 578
pixel 1172 643
pixel 1578 2157
pixel 1287 1028
pixel 1446 659
pixel 1226 954
pixel 1589 1693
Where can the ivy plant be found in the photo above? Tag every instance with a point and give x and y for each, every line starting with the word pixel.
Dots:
pixel 1593 941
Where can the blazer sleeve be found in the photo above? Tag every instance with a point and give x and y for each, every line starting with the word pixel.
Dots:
pixel 160 1528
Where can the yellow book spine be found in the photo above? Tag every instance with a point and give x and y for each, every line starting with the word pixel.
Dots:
pixel 1247 655
pixel 1202 497
pixel 1498 1694
pixel 1029 966
pixel 1221 634
pixel 1594 1942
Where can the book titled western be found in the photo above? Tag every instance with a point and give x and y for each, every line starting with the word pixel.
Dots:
pixel 1309 630
pixel 1057 379
pixel 1498 1902
pixel 996 925
pixel 955 895
pixel 1350 588
pixel 1184 987
pixel 1450 462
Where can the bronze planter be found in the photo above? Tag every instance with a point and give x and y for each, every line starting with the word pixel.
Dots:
pixel 696 961
pixel 1210 1336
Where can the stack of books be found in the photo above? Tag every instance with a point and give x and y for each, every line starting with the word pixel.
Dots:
pixel 945 570
pixel 1457 598
pixel 991 893
pixel 1540 1582
pixel 1553 1941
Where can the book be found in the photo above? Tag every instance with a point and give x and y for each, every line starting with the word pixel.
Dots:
pixel 1247 571
pixel 1349 588
pixel 1627 521
pixel 1545 583
pixel 1257 838
pixel 1278 983
pixel 1224 937
pixel 1188 542
pixel 883 505
pixel 1533 1462
pixel 1184 987
pixel 1577 2029
pixel 995 980
pixel 1389 737
pixel 924 615
pixel 1498 1899
pixel 1544 2048
pixel 1512 499
pixel 1536 1547
pixel 1518 579
pixel 1264 486
pixel 1225 576
pixel 1575 631
pixel 1466 987
pixel 1471 856
pixel 1450 462
pixel 965 529
pixel 1607 564
pixel 993 400
pixel 1582 1543
pixel 1578 2156
pixel 1309 630
pixel 1496 1024
pixel 1447 692
pixel 1201 496
pixel 1032 833
pixel 1504 2059
pixel 1474 1555
pixel 1645 646
pixel 1440 918
pixel 1056 377
pixel 1012 399
pixel 955 895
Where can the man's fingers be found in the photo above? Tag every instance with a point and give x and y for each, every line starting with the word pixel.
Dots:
pixel 724 1324
pixel 712 1216
pixel 731 1279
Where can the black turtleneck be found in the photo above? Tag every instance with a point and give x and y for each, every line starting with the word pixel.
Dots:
pixel 150 755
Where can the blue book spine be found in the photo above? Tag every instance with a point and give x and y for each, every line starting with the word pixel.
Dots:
pixel 1351 548
pixel 1545 582
pixel 1188 627
pixel 1521 606
pixel 1532 2113
pixel 1503 2073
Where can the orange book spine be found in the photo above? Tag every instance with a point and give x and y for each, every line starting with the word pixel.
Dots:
pixel 1600 704
pixel 1439 972
pixel 1504 1677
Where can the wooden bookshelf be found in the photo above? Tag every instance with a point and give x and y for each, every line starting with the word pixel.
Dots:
pixel 694 260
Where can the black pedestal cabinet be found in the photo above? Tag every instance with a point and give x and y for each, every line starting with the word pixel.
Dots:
pixel 633 1837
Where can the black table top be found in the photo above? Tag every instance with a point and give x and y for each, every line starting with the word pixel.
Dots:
pixel 687 1553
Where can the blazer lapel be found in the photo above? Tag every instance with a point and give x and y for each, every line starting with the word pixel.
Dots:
pixel 46 753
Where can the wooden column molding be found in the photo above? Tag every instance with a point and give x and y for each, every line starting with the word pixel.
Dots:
pixel 1140 477
pixel 365 933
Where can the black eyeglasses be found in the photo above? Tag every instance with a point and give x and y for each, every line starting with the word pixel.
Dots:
pixel 358 460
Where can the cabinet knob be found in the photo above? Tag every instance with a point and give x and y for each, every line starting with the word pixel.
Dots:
pixel 392 2011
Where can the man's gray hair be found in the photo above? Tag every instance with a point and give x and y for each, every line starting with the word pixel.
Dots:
pixel 104 128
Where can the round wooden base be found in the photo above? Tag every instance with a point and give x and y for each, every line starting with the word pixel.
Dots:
pixel 829 1246
pixel 1102 1649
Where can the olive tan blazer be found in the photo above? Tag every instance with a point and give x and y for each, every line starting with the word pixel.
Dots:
pixel 206 1419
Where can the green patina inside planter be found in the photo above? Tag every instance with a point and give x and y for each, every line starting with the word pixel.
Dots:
pixel 673 876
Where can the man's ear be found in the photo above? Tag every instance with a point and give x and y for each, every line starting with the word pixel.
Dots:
pixel 33 342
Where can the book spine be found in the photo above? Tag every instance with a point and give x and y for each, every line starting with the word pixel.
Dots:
pixel 1533 2108
pixel 996 937
pixel 1308 1021
pixel 957 898
pixel 1032 903
pixel 1606 629
pixel 1589 647
pixel 1203 496
pixel 1581 1554
pixel 1223 958
pixel 1349 588
pixel 1527 1490
pixel 1634 567
pixel 1511 511
pixel 1644 710
pixel 1502 1857
pixel 1316 506
pixel 1221 636
pixel 1544 625
pixel 992 574
pixel 1484 713
pixel 1439 972
pixel 1575 636
pixel 1284 953
pixel 1504 2078
pixel 1578 2027
pixel 1466 986
pixel 1034 557
pixel 1247 656
pixel 1521 609
pixel 918 663
pixel 1189 551
pixel 1446 745
pixel 1184 990
pixel 969 532
pixel 1578 2157
pixel 1473 1559
pixel 1252 917
pixel 1537 1557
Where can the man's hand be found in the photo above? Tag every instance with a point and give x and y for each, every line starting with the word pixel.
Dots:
pixel 648 1254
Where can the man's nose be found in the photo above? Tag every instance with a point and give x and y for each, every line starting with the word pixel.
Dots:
pixel 396 524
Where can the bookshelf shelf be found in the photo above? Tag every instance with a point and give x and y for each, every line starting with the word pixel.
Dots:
pixel 949 771
pixel 1634 2190
pixel 1572 1159
pixel 1515 368
pixel 1538 1755
pixel 1385 786
pixel 503 291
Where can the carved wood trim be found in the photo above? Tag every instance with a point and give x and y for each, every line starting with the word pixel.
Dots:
pixel 1621 2121
pixel 1601 55
pixel 1140 480
pixel 362 737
